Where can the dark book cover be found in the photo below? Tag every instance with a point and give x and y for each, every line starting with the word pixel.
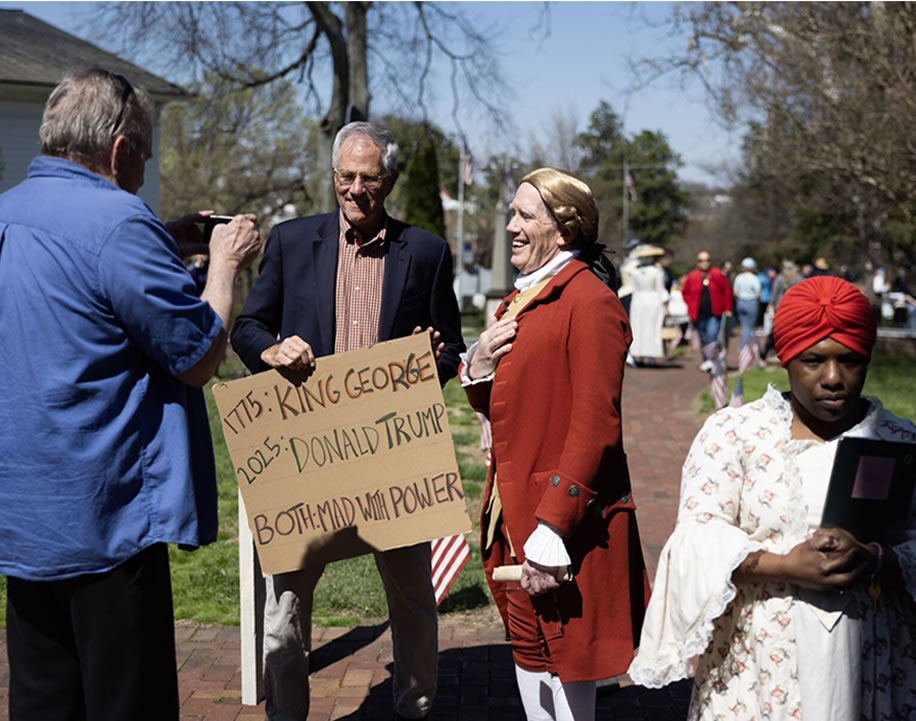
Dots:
pixel 871 489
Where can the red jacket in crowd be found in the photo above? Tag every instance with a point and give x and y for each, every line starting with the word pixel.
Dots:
pixel 720 292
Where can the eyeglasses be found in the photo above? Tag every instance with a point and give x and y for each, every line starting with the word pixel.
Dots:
pixel 126 91
pixel 703 260
pixel 346 179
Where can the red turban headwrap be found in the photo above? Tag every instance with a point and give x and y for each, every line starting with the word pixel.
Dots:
pixel 823 306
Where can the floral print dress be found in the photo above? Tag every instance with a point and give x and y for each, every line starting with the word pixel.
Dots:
pixel 769 651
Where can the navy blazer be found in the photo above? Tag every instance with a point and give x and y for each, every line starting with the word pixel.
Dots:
pixel 294 293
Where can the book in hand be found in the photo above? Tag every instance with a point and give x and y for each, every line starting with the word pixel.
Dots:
pixel 871 488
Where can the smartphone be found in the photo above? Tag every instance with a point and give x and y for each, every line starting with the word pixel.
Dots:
pixel 211 222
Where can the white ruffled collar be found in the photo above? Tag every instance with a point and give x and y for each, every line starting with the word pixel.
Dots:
pixel 867 427
pixel 548 270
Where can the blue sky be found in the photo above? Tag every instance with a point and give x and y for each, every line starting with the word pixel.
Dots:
pixel 583 60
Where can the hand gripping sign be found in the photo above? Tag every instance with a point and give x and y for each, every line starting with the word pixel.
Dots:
pixel 358 457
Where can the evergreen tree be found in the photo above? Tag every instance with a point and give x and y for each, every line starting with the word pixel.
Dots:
pixel 424 205
pixel 657 207
pixel 659 216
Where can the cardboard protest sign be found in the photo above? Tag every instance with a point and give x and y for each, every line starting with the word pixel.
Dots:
pixel 356 458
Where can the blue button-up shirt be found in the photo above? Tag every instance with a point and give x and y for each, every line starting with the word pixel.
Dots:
pixel 103 452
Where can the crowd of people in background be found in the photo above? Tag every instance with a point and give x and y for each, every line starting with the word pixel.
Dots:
pixel 710 303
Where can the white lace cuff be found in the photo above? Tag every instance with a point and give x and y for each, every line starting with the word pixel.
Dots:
pixel 545 547
pixel 466 357
pixel 692 589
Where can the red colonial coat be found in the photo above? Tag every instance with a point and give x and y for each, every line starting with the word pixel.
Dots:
pixel 554 406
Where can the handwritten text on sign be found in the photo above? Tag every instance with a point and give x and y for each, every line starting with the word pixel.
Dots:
pixel 356 458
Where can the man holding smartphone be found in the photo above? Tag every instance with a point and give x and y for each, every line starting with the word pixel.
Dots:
pixel 103 431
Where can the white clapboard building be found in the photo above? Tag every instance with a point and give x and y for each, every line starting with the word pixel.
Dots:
pixel 34 57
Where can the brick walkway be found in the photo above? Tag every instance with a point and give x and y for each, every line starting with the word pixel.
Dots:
pixel 351 678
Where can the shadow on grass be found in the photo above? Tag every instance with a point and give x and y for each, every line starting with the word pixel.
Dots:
pixel 465 599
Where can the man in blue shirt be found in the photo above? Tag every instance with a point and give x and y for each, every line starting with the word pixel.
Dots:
pixel 105 447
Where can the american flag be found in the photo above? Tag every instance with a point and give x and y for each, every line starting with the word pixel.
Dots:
pixel 467 168
pixel 510 187
pixel 676 341
pixel 738 394
pixel 450 555
pixel 718 384
pixel 718 389
pixel 745 356
pixel 711 351
pixel 758 361
pixel 631 186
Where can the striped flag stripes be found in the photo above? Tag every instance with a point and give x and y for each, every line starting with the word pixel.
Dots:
pixel 450 555
pixel 758 361
pixel 676 341
pixel 737 394
pixel 745 356
pixel 711 351
pixel 718 389
pixel 718 384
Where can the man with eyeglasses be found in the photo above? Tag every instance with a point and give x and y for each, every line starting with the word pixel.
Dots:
pixel 105 446
pixel 329 284
pixel 708 295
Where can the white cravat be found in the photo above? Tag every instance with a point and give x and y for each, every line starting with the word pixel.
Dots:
pixel 548 270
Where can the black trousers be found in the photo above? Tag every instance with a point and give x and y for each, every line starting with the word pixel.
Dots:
pixel 99 647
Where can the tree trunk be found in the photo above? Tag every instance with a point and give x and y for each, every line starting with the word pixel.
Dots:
pixel 355 15
pixel 334 119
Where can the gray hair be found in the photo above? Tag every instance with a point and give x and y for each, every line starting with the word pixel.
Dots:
pixel 88 110
pixel 382 138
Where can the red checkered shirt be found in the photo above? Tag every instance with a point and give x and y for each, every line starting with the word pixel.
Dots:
pixel 358 294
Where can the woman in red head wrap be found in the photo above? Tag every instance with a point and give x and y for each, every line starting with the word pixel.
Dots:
pixel 778 609
pixel 824 331
pixel 823 307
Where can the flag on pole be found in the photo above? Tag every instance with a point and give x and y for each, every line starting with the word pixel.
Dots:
pixel 467 168
pixel 677 340
pixel 450 555
pixel 509 188
pixel 718 384
pixel 711 351
pixel 631 186
pixel 718 388
pixel 745 356
pixel 738 394
pixel 758 361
